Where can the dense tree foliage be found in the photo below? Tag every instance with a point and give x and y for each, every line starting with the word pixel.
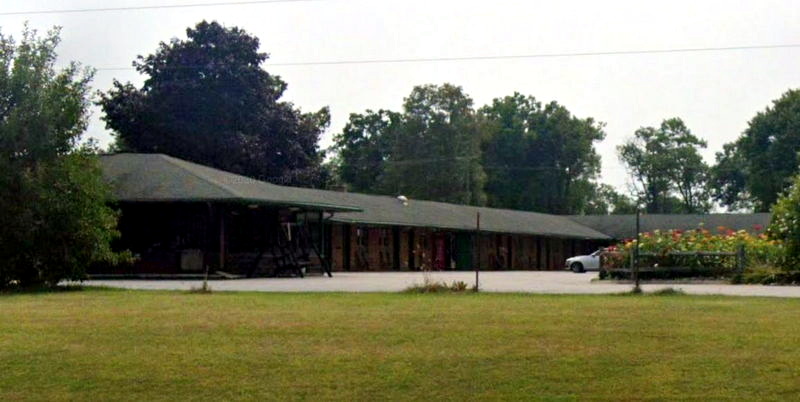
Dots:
pixel 436 151
pixel 527 147
pixel 363 148
pixel 605 200
pixel 760 164
pixel 440 148
pixel 668 174
pixel 539 157
pixel 430 150
pixel 207 99
pixel 54 220
pixel 729 179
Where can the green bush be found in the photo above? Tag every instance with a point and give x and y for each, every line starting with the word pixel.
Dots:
pixel 785 224
pixel 55 220
pixel 769 275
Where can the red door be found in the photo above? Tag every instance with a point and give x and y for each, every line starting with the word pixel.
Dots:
pixel 440 253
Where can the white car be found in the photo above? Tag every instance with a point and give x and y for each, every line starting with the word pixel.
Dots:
pixel 583 263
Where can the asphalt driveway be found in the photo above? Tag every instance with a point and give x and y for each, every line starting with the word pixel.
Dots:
pixel 492 281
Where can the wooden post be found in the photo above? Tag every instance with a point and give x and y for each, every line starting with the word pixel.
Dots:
pixel 412 245
pixel 396 248
pixel 347 238
pixel 321 236
pixel 509 252
pixel 326 259
pixel 221 212
pixel 208 235
pixel 538 253
pixel 740 259
pixel 548 257
pixel 478 252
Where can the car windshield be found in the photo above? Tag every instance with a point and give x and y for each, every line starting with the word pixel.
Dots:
pixel 596 253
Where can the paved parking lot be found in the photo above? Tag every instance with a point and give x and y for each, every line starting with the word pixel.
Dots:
pixel 494 281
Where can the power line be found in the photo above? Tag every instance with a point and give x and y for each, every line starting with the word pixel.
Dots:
pixel 539 55
pixel 502 57
pixel 155 7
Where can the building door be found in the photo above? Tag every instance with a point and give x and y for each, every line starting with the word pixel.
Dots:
pixel 440 260
pixel 464 246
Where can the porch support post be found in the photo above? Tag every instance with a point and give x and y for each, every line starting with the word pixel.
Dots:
pixel 396 248
pixel 321 236
pixel 412 264
pixel 346 245
pixel 509 252
pixel 221 211
pixel 478 251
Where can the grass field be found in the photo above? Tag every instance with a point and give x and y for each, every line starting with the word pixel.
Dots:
pixel 104 344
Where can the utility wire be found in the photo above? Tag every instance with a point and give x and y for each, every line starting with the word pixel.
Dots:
pixel 498 57
pixel 154 7
pixel 539 55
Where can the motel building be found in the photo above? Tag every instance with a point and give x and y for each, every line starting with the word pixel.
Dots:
pixel 180 218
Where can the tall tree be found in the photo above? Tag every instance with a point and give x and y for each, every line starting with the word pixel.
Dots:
pixel 729 178
pixel 532 147
pixel 54 220
pixel 435 154
pixel 666 168
pixel 761 163
pixel 363 147
pixel 605 200
pixel 207 99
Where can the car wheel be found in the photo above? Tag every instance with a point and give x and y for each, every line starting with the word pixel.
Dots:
pixel 576 267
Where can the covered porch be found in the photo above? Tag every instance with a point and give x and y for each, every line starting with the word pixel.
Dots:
pixel 183 219
pixel 228 239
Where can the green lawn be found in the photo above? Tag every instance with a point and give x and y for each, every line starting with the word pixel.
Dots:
pixel 103 344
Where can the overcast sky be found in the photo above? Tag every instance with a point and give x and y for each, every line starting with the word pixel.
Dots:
pixel 716 93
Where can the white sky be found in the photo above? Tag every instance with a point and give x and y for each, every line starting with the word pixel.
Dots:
pixel 716 93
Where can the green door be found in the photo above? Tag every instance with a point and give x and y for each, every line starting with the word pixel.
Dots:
pixel 463 251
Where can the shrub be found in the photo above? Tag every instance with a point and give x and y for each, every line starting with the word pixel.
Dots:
pixel 785 224
pixel 430 286
pixel 768 275
pixel 668 292
pixel 203 289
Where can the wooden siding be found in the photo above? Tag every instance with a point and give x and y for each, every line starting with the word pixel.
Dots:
pixel 372 249
pixel 337 247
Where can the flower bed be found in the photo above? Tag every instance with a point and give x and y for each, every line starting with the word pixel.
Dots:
pixel 695 253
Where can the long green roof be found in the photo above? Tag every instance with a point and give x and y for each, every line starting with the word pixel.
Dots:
pixel 161 178
pixel 390 211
